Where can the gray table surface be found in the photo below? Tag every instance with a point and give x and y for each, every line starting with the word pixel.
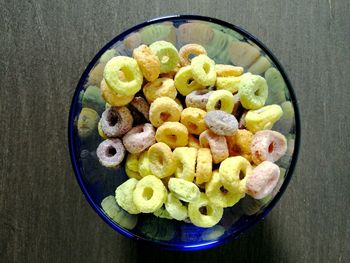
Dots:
pixel 44 48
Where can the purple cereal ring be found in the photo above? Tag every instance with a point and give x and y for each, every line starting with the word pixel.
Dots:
pixel 198 98
pixel 221 123
pixel 110 152
pixel 116 121
pixel 268 145
pixel 139 138
pixel 142 106
pixel 263 179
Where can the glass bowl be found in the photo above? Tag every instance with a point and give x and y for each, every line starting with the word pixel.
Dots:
pixel 226 44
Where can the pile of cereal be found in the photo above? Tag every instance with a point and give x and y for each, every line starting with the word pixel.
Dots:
pixel 196 136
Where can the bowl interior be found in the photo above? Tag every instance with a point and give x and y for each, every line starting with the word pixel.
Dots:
pixel 226 44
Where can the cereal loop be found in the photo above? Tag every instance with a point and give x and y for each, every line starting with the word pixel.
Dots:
pixel 175 208
pixel 221 123
pixel 163 110
pixel 186 162
pixel 203 70
pixel 132 174
pixel 228 70
pixel 144 168
pixel 116 121
pixel 220 100
pixel 147 61
pixel 183 189
pixel 193 142
pixel 216 143
pixel 162 87
pixel 193 119
pixel 253 91
pixel 132 162
pixel 139 138
pixel 123 196
pixel 162 162
pixel 190 49
pixel 174 134
pixel 239 144
pixel 141 105
pixel 112 97
pixel 167 55
pixel 263 118
pixel 230 84
pixel 110 152
pixel 185 82
pixel 204 166
pixel 198 98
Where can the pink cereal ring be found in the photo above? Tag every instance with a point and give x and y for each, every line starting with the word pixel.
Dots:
pixel 216 143
pixel 263 179
pixel 139 138
pixel 268 145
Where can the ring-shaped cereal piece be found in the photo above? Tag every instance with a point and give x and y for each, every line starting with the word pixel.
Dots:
pixel 149 194
pixel 162 213
pixel 148 62
pixel 116 121
pixel 141 105
pixel 132 75
pixel 144 169
pixel 204 166
pixel 185 82
pixel 124 196
pixel 220 100
pixel 139 138
pixel 163 110
pixel 204 213
pixel 228 70
pixel 190 49
pixel 132 174
pixel 221 123
pixel 193 142
pixel 174 134
pixel 167 55
pixel 268 145
pixel 183 189
pixel 234 172
pixel 230 84
pixel 113 98
pixel 193 119
pixel 132 162
pixel 162 87
pixel 203 70
pixel 263 118
pixel 162 162
pixel 239 144
pixel 198 98
pixel 186 162
pixel 216 143
pixel 218 194
pixel 110 152
pixel 263 179
pixel 253 91
pixel 175 208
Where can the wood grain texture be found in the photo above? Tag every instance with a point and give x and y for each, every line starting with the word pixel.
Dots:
pixel 44 48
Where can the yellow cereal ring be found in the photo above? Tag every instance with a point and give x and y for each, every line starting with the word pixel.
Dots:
pixel 193 142
pixel 124 196
pixel 183 189
pixel 162 162
pixel 218 194
pixel 228 70
pixel 193 119
pixel 163 110
pixel 101 132
pixel 162 87
pixel 239 144
pixel 132 174
pixel 144 168
pixel 186 162
pixel 253 91
pixel 174 134
pixel 204 166
pixel 203 70
pixel 190 49
pixel 230 84
pixel 220 100
pixel 167 55
pixel 203 213
pixel 133 75
pixel 216 143
pixel 184 81
pixel 175 208
pixel 233 172
pixel 162 213
pixel 113 98
pixel 263 118
pixel 132 162
pixel 179 103
pixel 147 61
pixel 149 194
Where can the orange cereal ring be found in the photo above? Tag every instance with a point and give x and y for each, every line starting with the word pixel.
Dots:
pixel 216 143
pixel 162 87
pixel 239 144
pixel 193 119
pixel 190 49
pixel 162 110
pixel 174 134
pixel 228 70
pixel 113 98
pixel 204 166
pixel 148 62
pixel 162 162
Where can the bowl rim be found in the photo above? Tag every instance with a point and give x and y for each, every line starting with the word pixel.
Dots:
pixel 71 144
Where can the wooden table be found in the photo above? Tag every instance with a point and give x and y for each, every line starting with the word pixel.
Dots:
pixel 44 48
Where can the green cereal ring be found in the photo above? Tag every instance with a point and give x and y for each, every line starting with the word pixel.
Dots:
pixel 263 118
pixel 132 162
pixel 183 189
pixel 230 84
pixel 92 99
pixel 186 162
pixel 149 194
pixel 218 194
pixel 110 53
pixel 123 195
pixel 133 76
pixel 277 86
pixel 87 122
pixel 144 169
pixel 162 213
pixel 203 70
pixel 253 91
pixel 203 213
pixel 288 110
pixel 162 162
pixel 132 174
pixel 117 214
pixel 175 208
pixel 167 54
pixel 184 81
pixel 260 66
pixel 220 100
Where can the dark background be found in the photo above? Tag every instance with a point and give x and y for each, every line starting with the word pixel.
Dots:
pixel 44 48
